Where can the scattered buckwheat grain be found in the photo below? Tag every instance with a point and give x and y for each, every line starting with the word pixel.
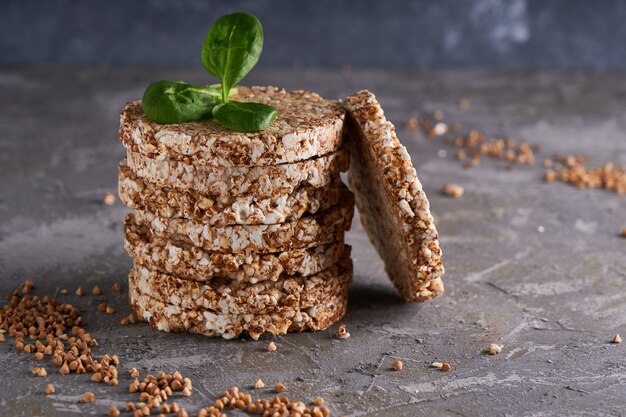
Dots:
pixel 109 199
pixel 64 369
pixel 271 347
pixel 49 389
pixel 130 319
pixel 39 371
pixel 452 190
pixel 571 169
pixel 398 365
pixel 617 339
pixel 88 397
pixel 412 124
pixel 318 400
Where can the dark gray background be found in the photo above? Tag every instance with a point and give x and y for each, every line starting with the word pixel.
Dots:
pixel 328 33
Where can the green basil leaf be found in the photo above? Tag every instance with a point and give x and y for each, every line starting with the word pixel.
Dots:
pixel 231 48
pixel 178 102
pixel 244 117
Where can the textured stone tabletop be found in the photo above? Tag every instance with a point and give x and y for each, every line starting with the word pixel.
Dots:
pixel 554 299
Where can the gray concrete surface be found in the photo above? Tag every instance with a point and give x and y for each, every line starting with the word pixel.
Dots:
pixel 555 299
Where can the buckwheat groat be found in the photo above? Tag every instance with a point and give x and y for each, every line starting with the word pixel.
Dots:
pixel 320 228
pixel 189 262
pixel 393 206
pixel 307 126
pixel 226 297
pixel 228 182
pixel 171 318
pixel 169 202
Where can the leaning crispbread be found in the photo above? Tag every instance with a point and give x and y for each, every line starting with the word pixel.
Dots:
pixel 169 202
pixel 228 182
pixel 307 126
pixel 170 318
pixel 228 297
pixel 393 206
pixel 187 261
pixel 316 229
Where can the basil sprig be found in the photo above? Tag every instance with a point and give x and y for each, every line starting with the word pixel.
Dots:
pixel 231 49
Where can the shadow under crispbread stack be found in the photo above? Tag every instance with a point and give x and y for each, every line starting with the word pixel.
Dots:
pixel 239 232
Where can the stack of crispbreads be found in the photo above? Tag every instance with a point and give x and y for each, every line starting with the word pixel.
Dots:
pixel 234 232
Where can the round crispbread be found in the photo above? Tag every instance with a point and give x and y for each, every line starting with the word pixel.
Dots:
pixel 190 262
pixel 320 228
pixel 307 126
pixel 170 318
pixel 225 183
pixel 391 201
pixel 170 202
pixel 226 297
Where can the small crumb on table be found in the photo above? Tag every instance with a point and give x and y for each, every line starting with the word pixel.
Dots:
pixel 342 333
pixel 453 190
pixel 88 397
pixel 494 349
pixel 109 199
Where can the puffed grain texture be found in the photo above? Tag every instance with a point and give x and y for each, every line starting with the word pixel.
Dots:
pixel 190 262
pixel 224 183
pixel 170 318
pixel 169 202
pixel 320 228
pixel 394 209
pixel 307 126
pixel 226 297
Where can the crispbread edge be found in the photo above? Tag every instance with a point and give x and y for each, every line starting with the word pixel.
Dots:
pixel 404 192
